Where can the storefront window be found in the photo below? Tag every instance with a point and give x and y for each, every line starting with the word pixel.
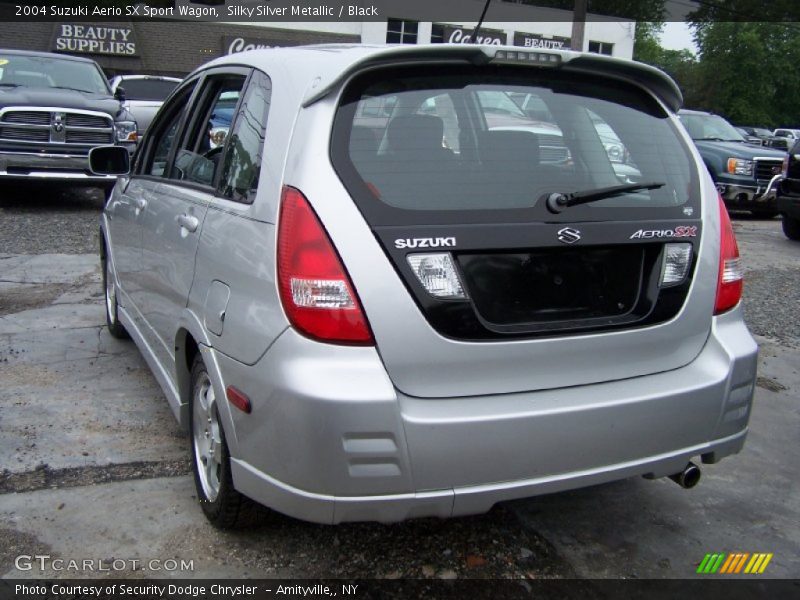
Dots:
pixel 601 48
pixel 401 32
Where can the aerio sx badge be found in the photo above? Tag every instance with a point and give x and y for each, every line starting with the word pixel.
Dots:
pixel 681 231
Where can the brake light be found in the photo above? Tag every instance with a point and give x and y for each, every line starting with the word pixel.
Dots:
pixel 730 279
pixel 315 290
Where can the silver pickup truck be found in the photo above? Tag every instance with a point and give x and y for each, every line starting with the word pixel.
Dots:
pixel 143 95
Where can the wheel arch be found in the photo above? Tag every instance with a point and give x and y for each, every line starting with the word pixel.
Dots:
pixel 191 340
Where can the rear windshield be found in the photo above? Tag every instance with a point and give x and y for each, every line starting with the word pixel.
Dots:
pixel 478 143
pixel 147 89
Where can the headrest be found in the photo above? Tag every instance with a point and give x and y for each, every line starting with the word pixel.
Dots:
pixel 509 146
pixel 412 133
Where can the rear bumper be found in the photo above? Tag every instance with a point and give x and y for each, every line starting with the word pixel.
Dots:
pixel 48 167
pixel 343 445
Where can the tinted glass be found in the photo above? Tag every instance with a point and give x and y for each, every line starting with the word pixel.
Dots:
pixel 147 89
pixel 242 162
pixel 36 71
pixel 164 144
pixel 161 140
pixel 492 142
pixel 200 155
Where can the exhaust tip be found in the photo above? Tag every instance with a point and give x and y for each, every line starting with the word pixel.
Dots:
pixel 689 477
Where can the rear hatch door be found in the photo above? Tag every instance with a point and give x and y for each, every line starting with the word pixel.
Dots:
pixel 482 287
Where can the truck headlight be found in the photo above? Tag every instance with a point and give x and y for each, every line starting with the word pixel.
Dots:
pixel 615 152
pixel 740 166
pixel 126 131
pixel 217 136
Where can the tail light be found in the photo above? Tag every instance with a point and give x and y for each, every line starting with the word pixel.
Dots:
pixel 315 290
pixel 731 276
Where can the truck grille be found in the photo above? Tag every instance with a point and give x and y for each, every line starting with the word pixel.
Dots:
pixel 87 137
pixel 23 134
pixel 58 127
pixel 552 149
pixel 76 120
pixel 27 117
pixel 767 168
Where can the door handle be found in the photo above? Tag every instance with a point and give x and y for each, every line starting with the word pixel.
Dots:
pixel 188 222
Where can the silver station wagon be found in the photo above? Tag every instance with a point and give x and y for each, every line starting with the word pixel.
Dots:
pixel 417 281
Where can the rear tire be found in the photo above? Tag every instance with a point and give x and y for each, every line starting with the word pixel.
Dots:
pixel 115 328
pixel 222 504
pixel 791 227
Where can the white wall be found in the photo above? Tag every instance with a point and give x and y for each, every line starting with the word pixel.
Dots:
pixel 618 33
pixel 506 16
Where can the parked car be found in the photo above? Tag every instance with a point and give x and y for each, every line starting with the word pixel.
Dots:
pixel 360 323
pixel 221 119
pixel 745 176
pixel 762 133
pixel 750 139
pixel 786 138
pixel 789 194
pixel 143 95
pixel 53 110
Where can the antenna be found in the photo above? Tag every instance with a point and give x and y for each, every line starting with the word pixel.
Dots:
pixel 480 22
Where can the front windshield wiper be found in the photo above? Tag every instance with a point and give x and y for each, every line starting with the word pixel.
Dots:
pixel 9 84
pixel 557 201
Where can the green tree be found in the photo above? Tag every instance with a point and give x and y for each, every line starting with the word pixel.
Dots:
pixel 750 71
pixel 646 45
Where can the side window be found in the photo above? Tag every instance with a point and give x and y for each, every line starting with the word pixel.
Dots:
pixel 241 164
pixel 165 129
pixel 199 156
pixel 163 147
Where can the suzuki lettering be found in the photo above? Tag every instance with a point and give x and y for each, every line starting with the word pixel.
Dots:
pixel 439 242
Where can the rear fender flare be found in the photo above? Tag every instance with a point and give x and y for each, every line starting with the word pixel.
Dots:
pixel 191 326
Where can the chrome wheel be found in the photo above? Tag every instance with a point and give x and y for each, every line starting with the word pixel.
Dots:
pixel 111 294
pixel 207 437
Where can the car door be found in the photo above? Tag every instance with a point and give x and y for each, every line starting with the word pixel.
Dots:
pixel 232 257
pixel 124 235
pixel 171 223
pixel 140 191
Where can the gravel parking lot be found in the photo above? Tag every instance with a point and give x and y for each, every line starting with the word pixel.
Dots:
pixel 94 462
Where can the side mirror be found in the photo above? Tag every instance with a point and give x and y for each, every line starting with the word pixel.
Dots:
pixel 109 160
pixel 119 94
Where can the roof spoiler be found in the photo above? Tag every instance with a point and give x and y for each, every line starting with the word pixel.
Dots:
pixel 651 78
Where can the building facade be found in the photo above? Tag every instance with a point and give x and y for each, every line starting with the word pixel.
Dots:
pixel 177 47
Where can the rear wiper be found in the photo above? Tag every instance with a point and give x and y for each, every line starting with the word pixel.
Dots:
pixel 556 202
